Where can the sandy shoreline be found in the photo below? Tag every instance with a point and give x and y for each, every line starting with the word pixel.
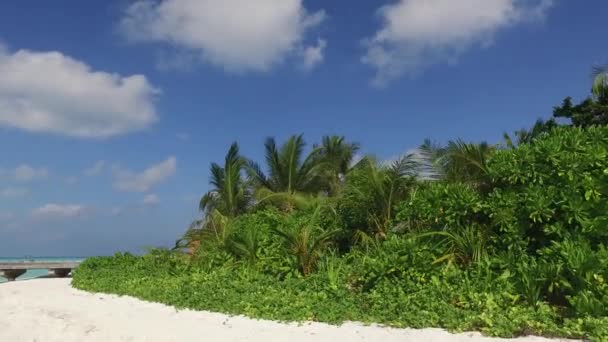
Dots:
pixel 51 310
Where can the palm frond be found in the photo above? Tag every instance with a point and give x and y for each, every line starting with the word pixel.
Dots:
pixel 600 82
pixel 464 245
pixel 208 201
pixel 229 193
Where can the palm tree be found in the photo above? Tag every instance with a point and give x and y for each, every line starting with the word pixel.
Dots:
pixel 337 156
pixel 458 161
pixel 376 189
pixel 306 241
pixel 464 245
pixel 229 194
pixel 593 110
pixel 292 177
pixel 525 136
pixel 213 230
pixel 600 83
pixel 245 244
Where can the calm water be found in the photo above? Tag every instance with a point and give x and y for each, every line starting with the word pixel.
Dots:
pixel 30 274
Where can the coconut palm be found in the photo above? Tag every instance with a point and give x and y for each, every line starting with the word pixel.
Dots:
pixel 458 161
pixel 229 195
pixel 245 244
pixel 525 136
pixel 337 156
pixel 375 189
pixel 591 111
pixel 306 241
pixel 464 245
pixel 292 177
pixel 214 230
pixel 600 83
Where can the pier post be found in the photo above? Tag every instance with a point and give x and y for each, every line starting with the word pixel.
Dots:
pixel 11 275
pixel 60 272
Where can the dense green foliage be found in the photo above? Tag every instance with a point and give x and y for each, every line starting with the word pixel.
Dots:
pixel 594 109
pixel 506 239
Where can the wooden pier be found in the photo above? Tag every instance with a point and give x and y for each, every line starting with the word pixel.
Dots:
pixel 12 270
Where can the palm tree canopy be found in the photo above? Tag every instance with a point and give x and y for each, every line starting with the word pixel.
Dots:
pixel 375 188
pixel 289 170
pixel 458 161
pixel 337 155
pixel 525 136
pixel 229 194
pixel 600 83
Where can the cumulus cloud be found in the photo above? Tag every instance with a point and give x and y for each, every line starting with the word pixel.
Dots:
pixel 71 180
pixel 151 199
pixel 418 33
pixel 52 210
pixel 314 54
pixel 126 180
pixel 53 93
pixel 238 35
pixel 13 192
pixel 115 211
pixel 26 173
pixel 183 136
pixel 95 169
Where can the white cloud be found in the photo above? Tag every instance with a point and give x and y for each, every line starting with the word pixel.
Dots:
pixel 183 136
pixel 151 199
pixel 238 35
pixel 26 173
pixel 13 192
pixel 313 55
pixel 52 210
pixel 418 33
pixel 71 180
pixel 125 180
pixel 115 211
pixel 53 93
pixel 95 169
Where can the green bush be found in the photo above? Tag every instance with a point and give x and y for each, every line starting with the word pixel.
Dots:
pixel 527 255
pixel 394 283
pixel 440 205
pixel 553 189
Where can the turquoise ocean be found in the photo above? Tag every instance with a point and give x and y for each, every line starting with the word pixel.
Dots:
pixel 31 274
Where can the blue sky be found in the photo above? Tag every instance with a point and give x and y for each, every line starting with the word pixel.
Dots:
pixel 112 111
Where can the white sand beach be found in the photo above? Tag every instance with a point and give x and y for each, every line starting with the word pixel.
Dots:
pixel 51 310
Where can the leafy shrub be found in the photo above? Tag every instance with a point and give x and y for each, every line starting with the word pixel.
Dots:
pixel 553 189
pixel 528 251
pixel 437 205
pixel 394 283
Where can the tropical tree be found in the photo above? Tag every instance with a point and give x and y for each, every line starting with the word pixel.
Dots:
pixel 525 136
pixel 337 156
pixel 464 245
pixel 229 195
pixel 305 241
pixel 214 230
pixel 373 190
pixel 600 83
pixel 593 110
pixel 293 179
pixel 458 161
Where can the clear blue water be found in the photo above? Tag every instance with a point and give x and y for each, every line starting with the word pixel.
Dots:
pixel 30 274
